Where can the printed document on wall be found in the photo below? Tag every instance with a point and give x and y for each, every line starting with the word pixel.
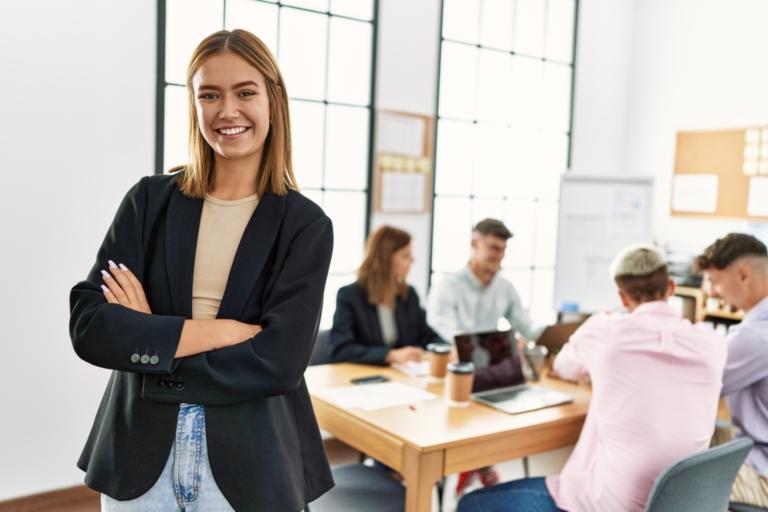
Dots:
pixel 402 191
pixel 758 197
pixel 695 193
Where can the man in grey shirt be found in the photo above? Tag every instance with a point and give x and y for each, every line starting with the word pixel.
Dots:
pixel 736 268
pixel 474 299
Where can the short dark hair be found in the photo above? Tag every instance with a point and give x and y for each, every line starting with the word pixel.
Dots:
pixel 493 227
pixel 647 287
pixel 728 249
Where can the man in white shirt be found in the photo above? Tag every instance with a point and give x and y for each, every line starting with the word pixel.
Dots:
pixel 477 296
pixel 473 300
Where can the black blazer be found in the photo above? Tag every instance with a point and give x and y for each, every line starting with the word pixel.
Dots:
pixel 264 447
pixel 356 333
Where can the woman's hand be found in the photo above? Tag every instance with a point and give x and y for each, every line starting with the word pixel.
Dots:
pixel 404 354
pixel 122 287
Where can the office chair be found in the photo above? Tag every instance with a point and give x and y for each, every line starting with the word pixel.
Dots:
pixel 321 353
pixel 700 482
pixel 360 487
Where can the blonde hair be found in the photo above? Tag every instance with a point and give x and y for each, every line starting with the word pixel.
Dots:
pixel 375 274
pixel 276 169
pixel 641 272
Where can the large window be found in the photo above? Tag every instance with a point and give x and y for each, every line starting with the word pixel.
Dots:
pixel 325 51
pixel 503 134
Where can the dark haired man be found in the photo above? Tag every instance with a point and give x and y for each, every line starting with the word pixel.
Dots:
pixel 736 270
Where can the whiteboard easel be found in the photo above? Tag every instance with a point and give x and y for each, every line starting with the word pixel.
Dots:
pixel 599 215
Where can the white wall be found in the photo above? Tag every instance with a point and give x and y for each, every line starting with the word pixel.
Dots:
pixel 406 81
pixel 600 89
pixel 77 106
pixel 695 65
pixel 683 64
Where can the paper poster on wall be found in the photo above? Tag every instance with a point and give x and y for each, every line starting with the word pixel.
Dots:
pixel 694 193
pixel 758 197
pixel 401 135
pixel 402 191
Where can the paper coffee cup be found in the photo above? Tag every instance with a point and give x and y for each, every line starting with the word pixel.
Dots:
pixel 460 379
pixel 438 354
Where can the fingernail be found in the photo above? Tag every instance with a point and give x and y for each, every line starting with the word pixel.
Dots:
pixel 104 289
pixel 104 273
pixel 123 267
pixel 112 264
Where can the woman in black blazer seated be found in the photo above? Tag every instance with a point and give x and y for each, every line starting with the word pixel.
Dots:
pixel 378 319
pixel 208 322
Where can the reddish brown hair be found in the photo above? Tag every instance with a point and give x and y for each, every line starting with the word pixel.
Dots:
pixel 375 274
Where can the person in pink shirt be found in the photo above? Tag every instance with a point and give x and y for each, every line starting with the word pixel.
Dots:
pixel 656 382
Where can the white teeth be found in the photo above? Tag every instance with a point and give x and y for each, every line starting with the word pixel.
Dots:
pixel 233 131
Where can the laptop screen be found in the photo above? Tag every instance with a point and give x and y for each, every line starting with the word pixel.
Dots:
pixel 496 359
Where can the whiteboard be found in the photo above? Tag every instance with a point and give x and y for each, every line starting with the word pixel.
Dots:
pixel 599 215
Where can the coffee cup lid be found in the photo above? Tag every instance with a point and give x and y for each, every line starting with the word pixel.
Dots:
pixel 461 368
pixel 439 348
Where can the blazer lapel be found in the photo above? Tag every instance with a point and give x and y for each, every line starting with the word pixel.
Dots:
pixel 181 228
pixel 401 322
pixel 373 317
pixel 252 253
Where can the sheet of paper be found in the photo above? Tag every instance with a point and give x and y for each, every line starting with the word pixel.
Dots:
pixel 370 397
pixel 757 205
pixel 401 135
pixel 402 191
pixel 694 193
pixel 413 369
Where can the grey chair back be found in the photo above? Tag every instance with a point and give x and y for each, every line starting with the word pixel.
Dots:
pixel 361 488
pixel 701 482
pixel 321 353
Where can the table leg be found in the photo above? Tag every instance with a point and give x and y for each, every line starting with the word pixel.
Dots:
pixel 421 470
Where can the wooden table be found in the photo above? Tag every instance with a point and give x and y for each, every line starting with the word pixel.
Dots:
pixel 432 439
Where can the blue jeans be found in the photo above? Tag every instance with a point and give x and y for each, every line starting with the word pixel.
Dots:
pixel 186 483
pixel 526 495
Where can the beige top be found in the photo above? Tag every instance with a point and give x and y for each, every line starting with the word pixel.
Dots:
pixel 388 324
pixel 222 224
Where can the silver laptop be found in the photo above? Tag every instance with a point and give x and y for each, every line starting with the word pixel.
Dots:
pixel 499 380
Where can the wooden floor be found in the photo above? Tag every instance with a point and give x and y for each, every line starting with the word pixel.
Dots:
pixel 83 499
pixel 72 499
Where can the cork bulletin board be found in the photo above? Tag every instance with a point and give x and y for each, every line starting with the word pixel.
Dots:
pixel 721 173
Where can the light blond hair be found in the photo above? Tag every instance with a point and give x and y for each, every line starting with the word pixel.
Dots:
pixel 276 169
pixel 640 271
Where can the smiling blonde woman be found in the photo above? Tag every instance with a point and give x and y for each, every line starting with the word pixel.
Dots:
pixel 204 301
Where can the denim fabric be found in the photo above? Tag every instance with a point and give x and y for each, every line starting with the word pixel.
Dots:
pixel 526 495
pixel 186 483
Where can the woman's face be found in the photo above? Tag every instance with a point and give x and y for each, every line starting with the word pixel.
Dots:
pixel 401 262
pixel 232 106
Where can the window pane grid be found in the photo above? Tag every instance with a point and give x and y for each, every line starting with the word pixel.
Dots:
pixel 503 134
pixel 512 53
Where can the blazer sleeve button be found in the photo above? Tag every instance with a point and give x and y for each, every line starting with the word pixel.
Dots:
pixel 154 360
pixel 135 358
pixel 179 386
pixel 144 359
pixel 161 383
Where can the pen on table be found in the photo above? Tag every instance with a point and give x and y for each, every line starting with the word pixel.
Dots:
pixel 411 407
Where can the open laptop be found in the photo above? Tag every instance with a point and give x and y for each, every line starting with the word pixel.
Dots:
pixel 499 380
